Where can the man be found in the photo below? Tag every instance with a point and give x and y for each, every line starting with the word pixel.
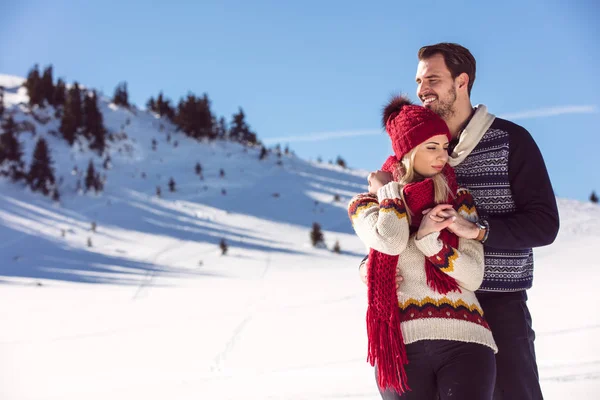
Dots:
pixel 499 162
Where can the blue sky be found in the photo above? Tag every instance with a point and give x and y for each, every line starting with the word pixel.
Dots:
pixel 302 68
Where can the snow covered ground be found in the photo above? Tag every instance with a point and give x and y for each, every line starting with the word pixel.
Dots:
pixel 152 310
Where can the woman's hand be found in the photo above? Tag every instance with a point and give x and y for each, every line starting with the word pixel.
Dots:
pixel 434 222
pixel 377 180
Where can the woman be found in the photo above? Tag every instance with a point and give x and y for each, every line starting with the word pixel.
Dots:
pixel 427 335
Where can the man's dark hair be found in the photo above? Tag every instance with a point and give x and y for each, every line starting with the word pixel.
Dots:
pixel 458 59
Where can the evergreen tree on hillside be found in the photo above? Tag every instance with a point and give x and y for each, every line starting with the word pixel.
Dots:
pixel 151 104
pixel 240 131
pixel 93 125
pixel 121 97
pixel 263 153
pixel 72 115
pixel 1 102
pixel 223 246
pixel 90 177
pixel 41 174
pixel 33 86
pixel 316 235
pixel 11 163
pixel 164 107
pixel 593 197
pixel 221 129
pixel 340 161
pixel 47 86
pixel 195 118
pixel 93 179
pixel 336 247
pixel 60 93
pixel 76 104
pixel 161 106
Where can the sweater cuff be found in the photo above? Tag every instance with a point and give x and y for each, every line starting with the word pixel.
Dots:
pixel 430 245
pixel 390 190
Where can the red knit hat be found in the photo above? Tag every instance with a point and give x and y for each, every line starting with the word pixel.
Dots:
pixel 409 125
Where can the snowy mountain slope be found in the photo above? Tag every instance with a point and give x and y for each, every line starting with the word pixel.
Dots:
pixel 153 310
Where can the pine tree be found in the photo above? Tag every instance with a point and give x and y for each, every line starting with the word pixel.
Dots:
pixel 60 93
pixel 151 104
pixel 77 108
pixel 47 86
pixel 163 107
pixel 11 163
pixel 240 131
pixel 33 86
pixel 158 191
pixel 90 177
pixel 121 97
pixel 41 174
pixel 1 102
pixel 172 184
pixel 336 247
pixel 316 235
pixel 93 125
pixel 68 122
pixel 195 118
pixel 221 129
pixel 198 169
pixel 593 197
pixel 263 153
pixel 340 161
pixel 223 246
pixel 55 195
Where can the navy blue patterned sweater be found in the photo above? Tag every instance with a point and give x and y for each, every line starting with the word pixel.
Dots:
pixel 507 177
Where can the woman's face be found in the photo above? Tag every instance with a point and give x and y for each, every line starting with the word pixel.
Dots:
pixel 431 156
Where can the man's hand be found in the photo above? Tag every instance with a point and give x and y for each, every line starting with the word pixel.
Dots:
pixel 364 269
pixel 461 226
pixel 378 179
pixel 434 222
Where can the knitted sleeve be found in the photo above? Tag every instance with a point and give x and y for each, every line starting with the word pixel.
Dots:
pixel 380 221
pixel 465 264
pixel 535 221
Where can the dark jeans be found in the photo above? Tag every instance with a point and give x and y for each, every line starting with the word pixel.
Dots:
pixel 448 369
pixel 517 374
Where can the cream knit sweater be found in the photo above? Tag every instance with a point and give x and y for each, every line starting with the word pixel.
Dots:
pixel 425 314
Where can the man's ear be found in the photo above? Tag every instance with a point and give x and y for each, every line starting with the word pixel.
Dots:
pixel 463 80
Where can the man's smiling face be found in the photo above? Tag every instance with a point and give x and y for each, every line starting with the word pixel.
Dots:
pixel 435 86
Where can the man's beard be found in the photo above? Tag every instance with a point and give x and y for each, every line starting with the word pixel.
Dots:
pixel 445 109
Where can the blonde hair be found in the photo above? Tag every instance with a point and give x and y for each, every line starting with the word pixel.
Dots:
pixel 407 174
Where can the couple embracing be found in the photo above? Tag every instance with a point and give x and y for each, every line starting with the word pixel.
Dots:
pixel 451 219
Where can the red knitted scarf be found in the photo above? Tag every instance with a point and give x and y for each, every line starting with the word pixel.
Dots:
pixel 386 344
